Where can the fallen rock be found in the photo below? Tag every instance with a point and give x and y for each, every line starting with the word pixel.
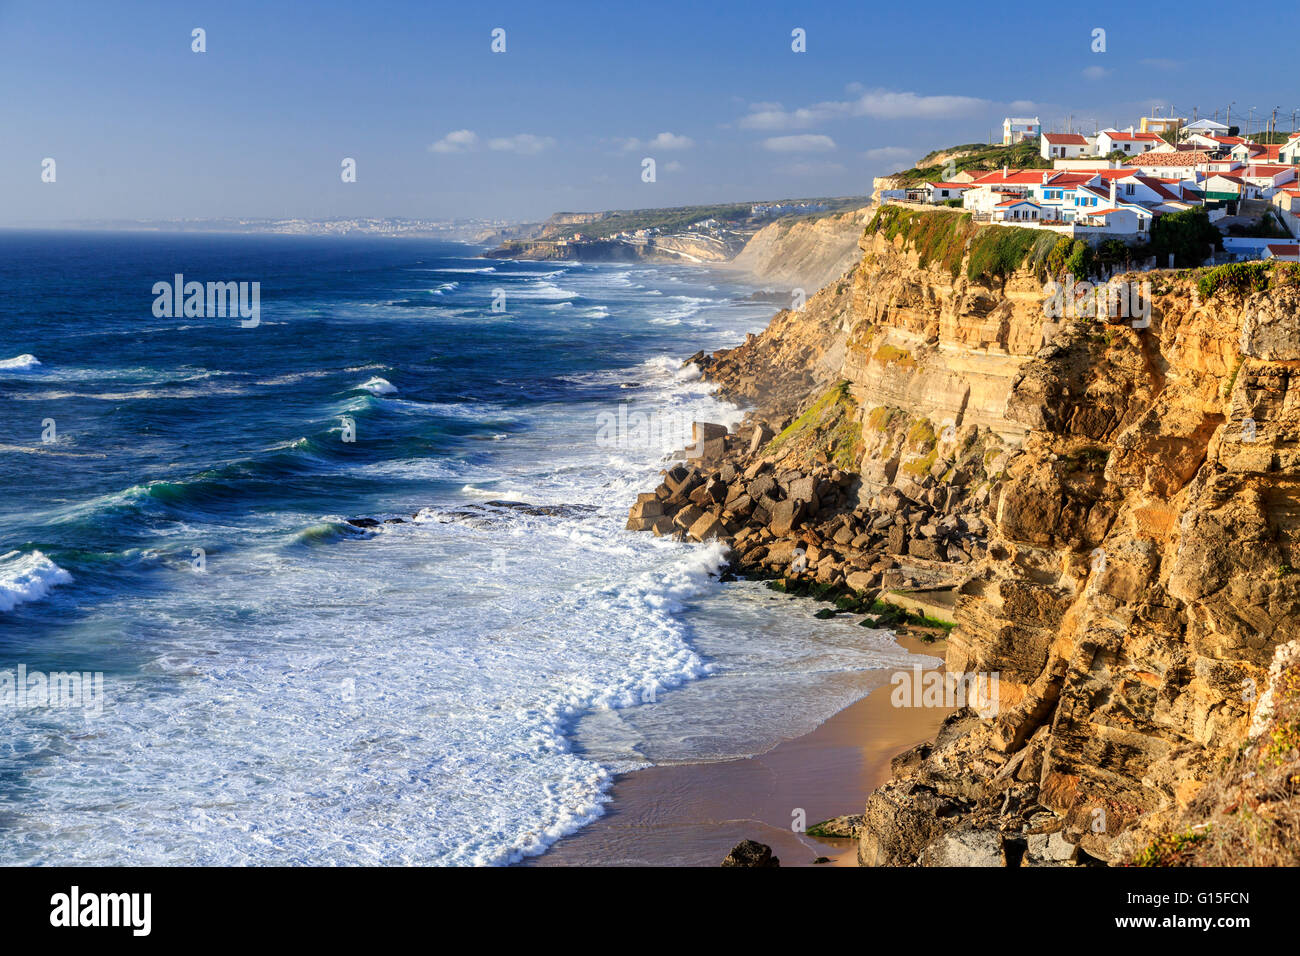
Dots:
pixel 751 853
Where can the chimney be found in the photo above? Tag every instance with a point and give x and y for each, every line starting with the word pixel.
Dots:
pixel 1114 190
pixel 1004 170
pixel 1044 179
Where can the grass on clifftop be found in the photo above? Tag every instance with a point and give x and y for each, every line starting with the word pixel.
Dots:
pixel 980 158
pixel 829 429
pixel 1242 278
pixel 947 239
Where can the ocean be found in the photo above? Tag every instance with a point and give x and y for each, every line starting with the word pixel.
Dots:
pixel 283 687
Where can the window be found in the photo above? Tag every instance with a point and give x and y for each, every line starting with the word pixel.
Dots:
pixel 1129 189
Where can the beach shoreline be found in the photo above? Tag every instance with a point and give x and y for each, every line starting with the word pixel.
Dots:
pixel 692 814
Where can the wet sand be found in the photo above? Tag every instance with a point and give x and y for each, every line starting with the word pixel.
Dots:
pixel 693 814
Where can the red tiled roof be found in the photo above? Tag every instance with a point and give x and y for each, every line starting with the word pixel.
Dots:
pixel 1014 177
pixel 1131 137
pixel 1017 202
pixel 1285 249
pixel 1168 159
pixel 1066 139
pixel 1267 169
pixel 1060 179
pixel 1155 187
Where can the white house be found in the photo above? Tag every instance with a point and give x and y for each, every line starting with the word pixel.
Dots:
pixel 1269 178
pixel 1064 146
pixel 1113 141
pixel 1017 210
pixel 1290 153
pixel 1205 126
pixel 1118 221
pixel 1283 252
pixel 1017 129
pixel 943 192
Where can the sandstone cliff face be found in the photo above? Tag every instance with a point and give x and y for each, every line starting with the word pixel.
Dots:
pixel 1141 499
pixel 804 253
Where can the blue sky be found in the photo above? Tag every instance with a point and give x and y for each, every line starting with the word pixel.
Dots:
pixel 142 127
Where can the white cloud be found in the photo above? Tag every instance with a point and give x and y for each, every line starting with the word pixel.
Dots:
pixel 671 141
pixel 672 166
pixel 662 141
pixel 525 143
pixel 876 104
pixel 1095 72
pixel 803 143
pixel 459 141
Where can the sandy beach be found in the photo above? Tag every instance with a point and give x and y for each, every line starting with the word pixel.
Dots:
pixel 693 814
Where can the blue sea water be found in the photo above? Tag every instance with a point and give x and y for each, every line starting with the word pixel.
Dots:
pixel 282 687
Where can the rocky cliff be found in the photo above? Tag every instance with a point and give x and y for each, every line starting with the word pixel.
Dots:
pixel 1115 506
pixel 804 253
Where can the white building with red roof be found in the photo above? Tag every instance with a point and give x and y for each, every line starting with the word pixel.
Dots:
pixel 1114 141
pixel 1290 151
pixel 1064 145
pixel 1269 177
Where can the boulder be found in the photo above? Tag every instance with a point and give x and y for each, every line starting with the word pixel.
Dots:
pixel 707 527
pixel 762 435
pixel 647 506
pixel 786 516
pixel 707 431
pixel 751 853
pixel 687 516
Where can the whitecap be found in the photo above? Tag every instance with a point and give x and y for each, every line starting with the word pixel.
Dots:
pixel 20 363
pixel 378 386
pixel 27 577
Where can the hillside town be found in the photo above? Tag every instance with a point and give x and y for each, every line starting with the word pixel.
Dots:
pixel 1115 184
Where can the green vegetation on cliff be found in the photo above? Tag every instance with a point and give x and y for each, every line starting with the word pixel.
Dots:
pixel 979 158
pixel 1242 278
pixel 947 239
pixel 829 429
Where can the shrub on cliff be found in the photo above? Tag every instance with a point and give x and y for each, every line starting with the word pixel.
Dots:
pixel 936 237
pixel 1239 278
pixel 997 251
pixel 1188 235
